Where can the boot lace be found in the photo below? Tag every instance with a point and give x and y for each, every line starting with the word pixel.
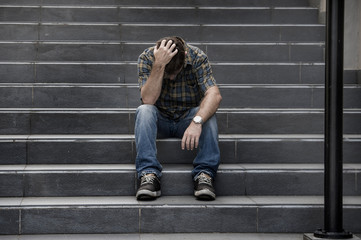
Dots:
pixel 147 179
pixel 204 179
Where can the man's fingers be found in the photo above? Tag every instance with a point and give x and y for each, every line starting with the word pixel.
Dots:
pixel 173 53
pixel 169 44
pixel 172 47
pixel 162 44
pixel 196 142
pixel 183 142
pixel 192 144
pixel 165 51
pixel 189 142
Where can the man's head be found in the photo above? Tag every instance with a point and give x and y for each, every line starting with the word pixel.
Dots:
pixel 177 62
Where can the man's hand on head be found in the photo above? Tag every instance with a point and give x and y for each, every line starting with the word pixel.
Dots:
pixel 165 52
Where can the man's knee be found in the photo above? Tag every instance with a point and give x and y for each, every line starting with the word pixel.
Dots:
pixel 212 123
pixel 146 110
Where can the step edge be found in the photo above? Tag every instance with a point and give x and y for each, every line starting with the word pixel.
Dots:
pixel 135 63
pixel 173 201
pixel 172 168
pixel 178 7
pixel 130 137
pixel 132 110
pixel 136 85
pixel 159 24
pixel 116 42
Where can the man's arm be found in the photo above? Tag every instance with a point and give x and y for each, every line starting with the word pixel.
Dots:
pixel 207 108
pixel 210 103
pixel 150 92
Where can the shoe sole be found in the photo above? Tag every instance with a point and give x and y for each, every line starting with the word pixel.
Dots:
pixel 146 194
pixel 205 194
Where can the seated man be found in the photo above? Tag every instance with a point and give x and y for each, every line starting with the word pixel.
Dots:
pixel 179 99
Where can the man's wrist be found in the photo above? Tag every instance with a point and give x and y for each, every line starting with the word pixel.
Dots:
pixel 198 120
pixel 159 66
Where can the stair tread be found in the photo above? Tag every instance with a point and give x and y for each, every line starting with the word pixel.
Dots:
pixel 158 24
pixel 169 201
pixel 220 110
pixel 134 62
pixel 161 3
pixel 135 85
pixel 147 43
pixel 99 137
pixel 268 167
pixel 162 236
pixel 142 14
pixel 112 6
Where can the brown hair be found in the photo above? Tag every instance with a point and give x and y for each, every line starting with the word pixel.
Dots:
pixel 178 60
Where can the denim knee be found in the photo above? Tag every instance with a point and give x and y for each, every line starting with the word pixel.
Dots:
pixel 146 110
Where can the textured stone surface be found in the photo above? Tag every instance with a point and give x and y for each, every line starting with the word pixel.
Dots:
pixel 80 220
pixel 9 221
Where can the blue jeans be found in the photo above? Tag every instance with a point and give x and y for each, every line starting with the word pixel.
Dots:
pixel 150 124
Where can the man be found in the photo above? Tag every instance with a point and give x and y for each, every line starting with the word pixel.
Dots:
pixel 179 99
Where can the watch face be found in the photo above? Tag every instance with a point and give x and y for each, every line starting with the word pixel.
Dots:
pixel 197 119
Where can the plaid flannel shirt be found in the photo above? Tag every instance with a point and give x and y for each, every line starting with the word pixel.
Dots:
pixel 187 90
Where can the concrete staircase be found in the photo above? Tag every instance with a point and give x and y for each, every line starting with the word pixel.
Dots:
pixel 68 93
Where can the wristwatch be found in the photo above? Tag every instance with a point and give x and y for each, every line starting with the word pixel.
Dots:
pixel 198 120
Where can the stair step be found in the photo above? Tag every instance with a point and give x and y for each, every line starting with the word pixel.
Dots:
pixel 120 179
pixel 120 149
pixel 276 121
pixel 46 31
pixel 121 121
pixel 115 51
pixel 142 14
pixel 125 72
pixel 162 236
pixel 128 96
pixel 126 215
pixel 246 3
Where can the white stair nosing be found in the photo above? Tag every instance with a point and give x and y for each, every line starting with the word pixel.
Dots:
pixel 159 24
pixel 130 137
pixel 132 110
pixel 174 201
pixel 135 63
pixel 112 6
pixel 136 85
pixel 171 168
pixel 117 42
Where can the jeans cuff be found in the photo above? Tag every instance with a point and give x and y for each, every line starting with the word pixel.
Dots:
pixel 156 173
pixel 203 171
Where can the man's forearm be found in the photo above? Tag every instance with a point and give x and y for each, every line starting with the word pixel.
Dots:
pixel 210 103
pixel 163 54
pixel 207 109
pixel 151 90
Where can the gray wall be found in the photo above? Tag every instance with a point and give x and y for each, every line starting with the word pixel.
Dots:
pixel 352 35
pixel 352 60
